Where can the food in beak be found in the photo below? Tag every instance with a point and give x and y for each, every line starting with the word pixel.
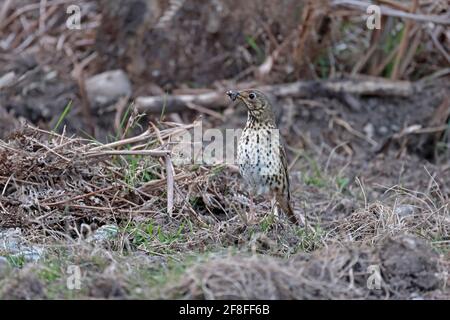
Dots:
pixel 233 94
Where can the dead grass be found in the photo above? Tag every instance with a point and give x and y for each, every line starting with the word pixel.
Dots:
pixel 58 194
pixel 335 272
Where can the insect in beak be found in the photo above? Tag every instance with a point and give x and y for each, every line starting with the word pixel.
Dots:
pixel 233 94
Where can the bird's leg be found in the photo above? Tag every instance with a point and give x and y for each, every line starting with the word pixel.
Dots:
pixel 274 208
pixel 252 211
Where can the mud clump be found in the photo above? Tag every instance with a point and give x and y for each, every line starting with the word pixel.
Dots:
pixel 409 265
pixel 107 288
pixel 23 287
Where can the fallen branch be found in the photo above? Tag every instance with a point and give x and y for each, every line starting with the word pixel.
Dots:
pixel 161 182
pixel 355 86
pixel 356 133
pixel 170 184
pixel 403 44
pixel 177 103
pixel 76 198
pixel 300 89
pixel 439 19
pixel 155 153
pixel 170 172
pixel 143 136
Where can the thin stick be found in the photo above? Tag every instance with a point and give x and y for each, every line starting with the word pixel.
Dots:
pixel 386 61
pixel 141 137
pixel 5 9
pixel 30 7
pixel 50 150
pixel 439 19
pixel 109 209
pixel 161 182
pixel 170 185
pixel 412 50
pixel 350 129
pixel 395 5
pixel 77 197
pixel 21 181
pixel 403 44
pixel 204 110
pixel 169 174
pixel 155 153
pixel 361 63
pixel 439 46
pixel 78 73
pixel 42 16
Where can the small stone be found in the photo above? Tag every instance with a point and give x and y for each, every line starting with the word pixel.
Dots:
pixel 104 233
pixel 4 265
pixel 345 206
pixel 383 130
pixel 12 243
pixel 7 79
pixel 10 240
pixel 404 210
pixel 30 254
pixel 304 113
pixel 289 68
pixel 108 86
pixel 51 75
pixel 156 73
pixel 416 296
pixel 213 25
pixel 369 130
pixel 138 290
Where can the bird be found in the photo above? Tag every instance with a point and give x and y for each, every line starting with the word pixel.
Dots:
pixel 260 154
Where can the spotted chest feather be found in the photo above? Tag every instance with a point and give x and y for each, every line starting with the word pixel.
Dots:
pixel 260 159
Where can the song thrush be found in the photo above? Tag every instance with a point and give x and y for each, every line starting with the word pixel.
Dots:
pixel 261 156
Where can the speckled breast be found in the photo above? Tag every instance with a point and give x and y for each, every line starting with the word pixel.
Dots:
pixel 259 158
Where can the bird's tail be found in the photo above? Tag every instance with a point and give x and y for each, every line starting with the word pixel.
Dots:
pixel 286 206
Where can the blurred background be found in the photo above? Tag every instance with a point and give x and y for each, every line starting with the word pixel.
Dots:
pixel 87 76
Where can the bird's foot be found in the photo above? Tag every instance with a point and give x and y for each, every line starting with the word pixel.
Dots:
pixel 251 216
pixel 274 210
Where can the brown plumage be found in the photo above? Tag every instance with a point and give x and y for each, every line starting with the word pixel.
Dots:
pixel 261 156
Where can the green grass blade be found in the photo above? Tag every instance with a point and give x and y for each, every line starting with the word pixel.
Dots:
pixel 63 115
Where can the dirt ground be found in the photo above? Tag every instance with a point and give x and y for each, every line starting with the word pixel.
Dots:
pixel 370 174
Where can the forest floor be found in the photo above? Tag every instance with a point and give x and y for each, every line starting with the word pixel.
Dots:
pixel 370 173
pixel 365 207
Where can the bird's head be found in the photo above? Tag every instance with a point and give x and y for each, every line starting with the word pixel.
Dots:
pixel 257 103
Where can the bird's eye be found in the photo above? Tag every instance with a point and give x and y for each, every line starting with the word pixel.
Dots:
pixel 251 96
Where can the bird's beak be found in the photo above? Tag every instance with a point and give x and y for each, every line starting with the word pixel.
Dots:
pixel 233 94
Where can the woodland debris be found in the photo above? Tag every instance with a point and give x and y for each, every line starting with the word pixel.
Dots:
pixel 12 243
pixel 303 89
pixel 108 86
pixel 103 234
pixel 439 19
